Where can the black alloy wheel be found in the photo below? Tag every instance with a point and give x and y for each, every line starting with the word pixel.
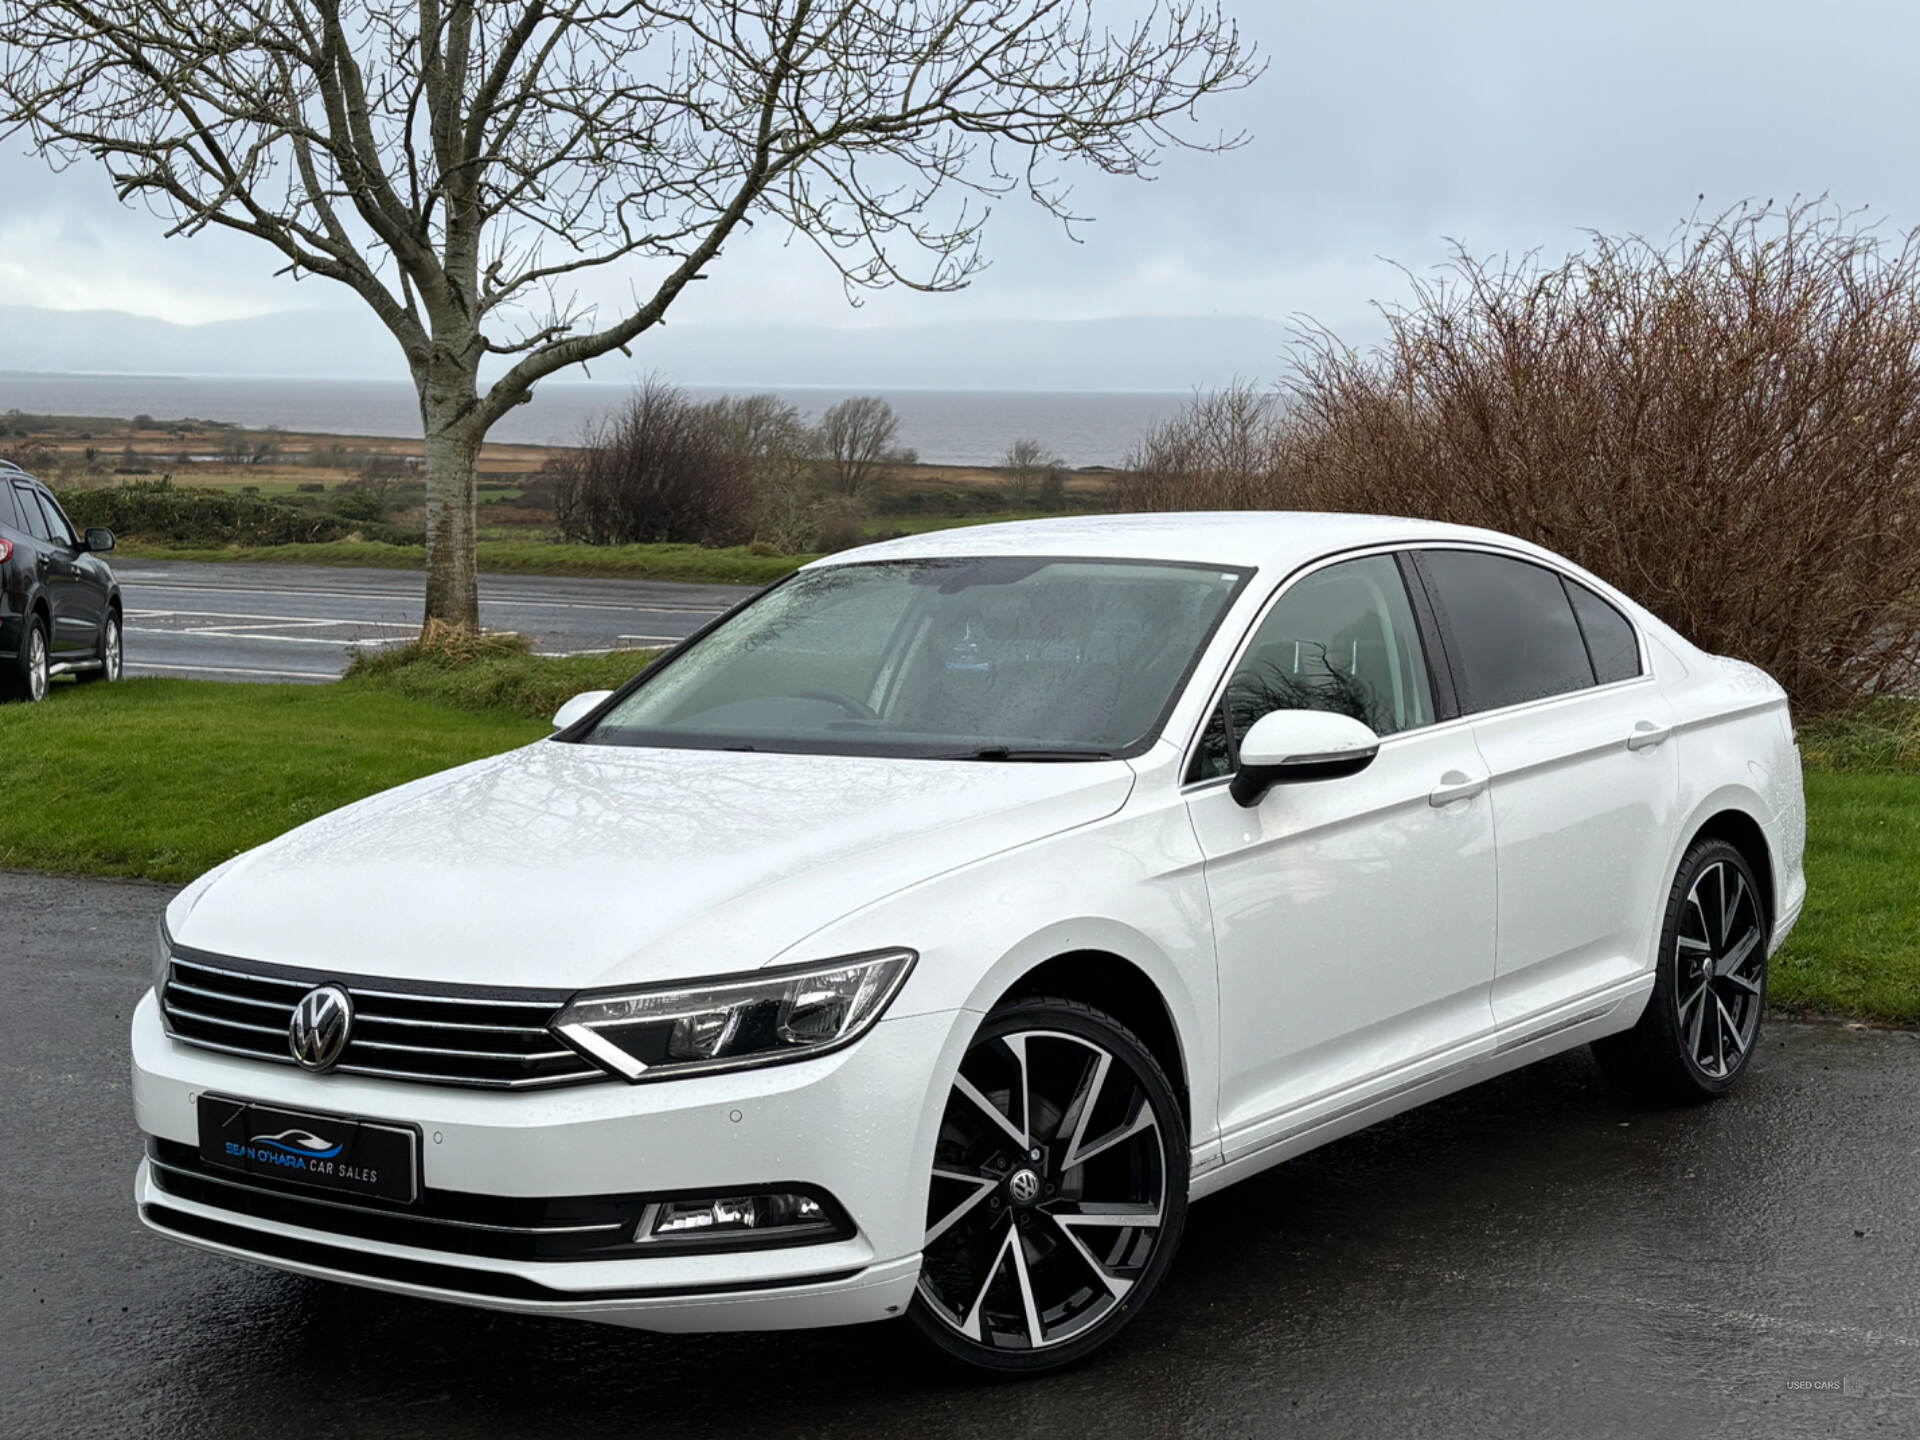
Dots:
pixel 1059 1190
pixel 1702 1021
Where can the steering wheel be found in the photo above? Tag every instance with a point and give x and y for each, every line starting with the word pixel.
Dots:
pixel 845 702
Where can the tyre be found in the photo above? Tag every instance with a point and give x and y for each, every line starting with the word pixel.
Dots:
pixel 1702 1022
pixel 1059 1190
pixel 27 677
pixel 110 654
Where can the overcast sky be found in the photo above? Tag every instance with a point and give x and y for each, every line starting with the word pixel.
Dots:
pixel 1379 129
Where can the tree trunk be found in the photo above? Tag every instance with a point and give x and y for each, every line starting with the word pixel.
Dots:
pixel 452 450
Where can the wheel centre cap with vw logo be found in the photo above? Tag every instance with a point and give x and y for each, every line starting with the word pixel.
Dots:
pixel 317 1033
pixel 1024 1187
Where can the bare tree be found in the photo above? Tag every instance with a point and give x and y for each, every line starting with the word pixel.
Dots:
pixel 857 444
pixel 460 166
pixel 1033 470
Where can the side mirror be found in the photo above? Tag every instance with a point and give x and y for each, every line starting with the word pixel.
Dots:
pixel 578 707
pixel 1285 747
pixel 99 541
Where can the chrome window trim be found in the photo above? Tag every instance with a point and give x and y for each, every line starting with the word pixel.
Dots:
pixel 1393 548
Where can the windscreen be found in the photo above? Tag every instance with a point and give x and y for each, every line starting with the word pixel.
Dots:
pixel 1000 658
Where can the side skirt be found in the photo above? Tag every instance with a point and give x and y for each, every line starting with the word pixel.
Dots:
pixel 1541 1040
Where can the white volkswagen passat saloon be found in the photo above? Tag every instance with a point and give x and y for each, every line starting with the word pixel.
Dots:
pixel 923 936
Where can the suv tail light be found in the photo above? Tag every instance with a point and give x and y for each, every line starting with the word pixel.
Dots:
pixel 6 549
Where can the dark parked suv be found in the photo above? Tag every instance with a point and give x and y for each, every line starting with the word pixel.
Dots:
pixel 59 603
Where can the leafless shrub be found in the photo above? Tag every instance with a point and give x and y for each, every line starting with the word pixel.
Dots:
pixel 1726 425
pixel 661 468
pixel 1223 451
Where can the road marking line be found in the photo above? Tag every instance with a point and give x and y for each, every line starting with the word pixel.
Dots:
pixel 269 619
pixel 603 650
pixel 134 668
pixel 273 639
pixel 668 607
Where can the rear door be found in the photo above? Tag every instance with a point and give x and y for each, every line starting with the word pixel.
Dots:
pixel 1585 781
pixel 1354 918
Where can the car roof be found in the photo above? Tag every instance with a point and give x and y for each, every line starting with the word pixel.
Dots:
pixel 1259 539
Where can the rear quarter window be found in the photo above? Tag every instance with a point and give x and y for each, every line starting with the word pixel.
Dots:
pixel 1509 628
pixel 32 519
pixel 9 512
pixel 1611 642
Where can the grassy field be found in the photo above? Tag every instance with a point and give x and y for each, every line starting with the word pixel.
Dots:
pixel 689 563
pixel 1856 950
pixel 166 778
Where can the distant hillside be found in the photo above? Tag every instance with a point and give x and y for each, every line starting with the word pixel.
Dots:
pixel 1141 353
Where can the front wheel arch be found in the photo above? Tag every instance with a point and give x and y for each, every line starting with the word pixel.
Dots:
pixel 1115 986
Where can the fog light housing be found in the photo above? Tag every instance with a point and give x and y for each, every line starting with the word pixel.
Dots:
pixel 760 1217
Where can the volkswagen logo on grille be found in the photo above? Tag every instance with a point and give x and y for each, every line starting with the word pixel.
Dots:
pixel 317 1033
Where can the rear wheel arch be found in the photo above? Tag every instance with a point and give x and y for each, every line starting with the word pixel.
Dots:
pixel 1742 831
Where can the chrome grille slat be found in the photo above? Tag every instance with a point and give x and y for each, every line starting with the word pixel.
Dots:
pixel 465 1054
pixel 278 1031
pixel 583 1076
pixel 538 1031
pixel 284 1007
pixel 300 986
pixel 424 1037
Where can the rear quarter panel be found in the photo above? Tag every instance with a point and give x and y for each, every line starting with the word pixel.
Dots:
pixel 1737 752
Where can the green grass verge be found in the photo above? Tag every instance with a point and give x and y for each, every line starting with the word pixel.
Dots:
pixel 167 778
pixel 694 564
pixel 1856 950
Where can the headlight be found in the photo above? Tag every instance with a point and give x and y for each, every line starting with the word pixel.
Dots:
pixel 757 1019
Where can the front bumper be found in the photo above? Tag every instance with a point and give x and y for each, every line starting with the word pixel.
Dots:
pixel 857 1123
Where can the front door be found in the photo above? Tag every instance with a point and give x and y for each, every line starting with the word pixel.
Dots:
pixel 1353 918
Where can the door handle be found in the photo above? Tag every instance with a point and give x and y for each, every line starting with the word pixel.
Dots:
pixel 1455 785
pixel 1646 735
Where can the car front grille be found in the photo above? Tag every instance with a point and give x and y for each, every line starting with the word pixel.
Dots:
pixel 495 1039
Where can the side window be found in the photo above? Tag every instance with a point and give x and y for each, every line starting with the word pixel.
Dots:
pixel 60 529
pixel 1342 639
pixel 9 513
pixel 1509 626
pixel 1611 643
pixel 33 519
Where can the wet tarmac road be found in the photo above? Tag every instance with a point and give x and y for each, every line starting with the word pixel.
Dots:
pixel 1532 1257
pixel 300 622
